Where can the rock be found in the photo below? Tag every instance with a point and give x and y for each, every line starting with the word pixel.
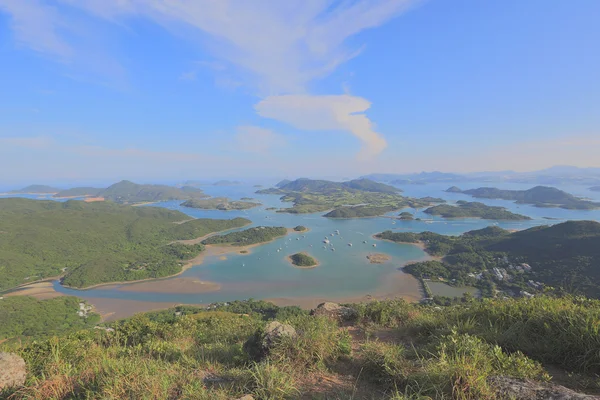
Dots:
pixel 259 345
pixel 333 310
pixel 12 370
pixel 524 389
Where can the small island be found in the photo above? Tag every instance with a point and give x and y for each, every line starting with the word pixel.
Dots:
pixel 464 209
pixel 378 258
pixel 300 228
pixel 406 216
pixel 539 196
pixel 219 203
pixel 302 260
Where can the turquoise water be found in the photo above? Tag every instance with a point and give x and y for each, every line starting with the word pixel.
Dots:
pixel 344 272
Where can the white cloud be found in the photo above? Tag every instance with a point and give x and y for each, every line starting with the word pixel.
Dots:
pixel 254 139
pixel 326 113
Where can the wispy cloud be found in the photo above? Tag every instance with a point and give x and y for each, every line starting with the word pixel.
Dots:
pixel 37 142
pixel 254 139
pixel 275 48
pixel 36 25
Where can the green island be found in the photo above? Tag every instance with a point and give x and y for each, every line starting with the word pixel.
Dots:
pixel 465 209
pixel 562 258
pixel 41 189
pixel 257 234
pixel 24 317
pixel 477 349
pixel 351 199
pixel 95 243
pixel 406 216
pixel 539 196
pixel 219 203
pixel 302 260
pixel 300 228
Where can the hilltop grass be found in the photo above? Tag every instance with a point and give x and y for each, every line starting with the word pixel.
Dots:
pixel 429 353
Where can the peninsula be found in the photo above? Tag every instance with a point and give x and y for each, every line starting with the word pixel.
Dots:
pixel 539 196
pixel 95 243
pixel 258 234
pixel 465 209
pixel 219 203
pixel 499 262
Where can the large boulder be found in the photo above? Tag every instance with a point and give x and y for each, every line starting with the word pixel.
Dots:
pixel 333 310
pixel 12 370
pixel 524 389
pixel 260 344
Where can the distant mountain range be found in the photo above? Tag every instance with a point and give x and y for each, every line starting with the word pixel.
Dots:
pixel 540 196
pixel 548 176
pixel 124 192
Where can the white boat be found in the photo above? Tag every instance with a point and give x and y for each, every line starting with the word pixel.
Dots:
pixel 350 244
pixel 374 245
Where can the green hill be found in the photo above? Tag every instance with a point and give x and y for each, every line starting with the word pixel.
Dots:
pixel 79 191
pixel 540 196
pixel 127 192
pixel 37 189
pixel 94 242
pixel 565 256
pixel 373 198
pixel 388 350
pixel 474 210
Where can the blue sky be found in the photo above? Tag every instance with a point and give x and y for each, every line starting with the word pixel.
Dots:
pixel 100 90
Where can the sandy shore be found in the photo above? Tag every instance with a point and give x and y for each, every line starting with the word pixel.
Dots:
pixel 40 291
pixel 113 309
pixel 176 285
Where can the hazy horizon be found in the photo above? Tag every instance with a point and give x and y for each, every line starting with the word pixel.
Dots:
pixel 98 91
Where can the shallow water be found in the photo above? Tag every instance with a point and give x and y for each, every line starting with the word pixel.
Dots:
pixel 345 272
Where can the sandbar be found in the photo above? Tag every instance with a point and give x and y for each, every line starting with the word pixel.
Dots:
pixel 378 258
pixel 40 291
pixel 175 285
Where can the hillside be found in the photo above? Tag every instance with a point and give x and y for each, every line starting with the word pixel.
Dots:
pixel 258 234
pixel 310 196
pixel 94 243
pixel 219 203
pixel 126 192
pixel 79 191
pixel 565 256
pixel 379 350
pixel 540 196
pixel 42 189
pixel 474 210
pixel 359 212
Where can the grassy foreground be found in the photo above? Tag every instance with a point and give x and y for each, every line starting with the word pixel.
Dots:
pixel 393 350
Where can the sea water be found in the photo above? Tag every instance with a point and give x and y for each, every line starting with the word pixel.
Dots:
pixel 345 272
